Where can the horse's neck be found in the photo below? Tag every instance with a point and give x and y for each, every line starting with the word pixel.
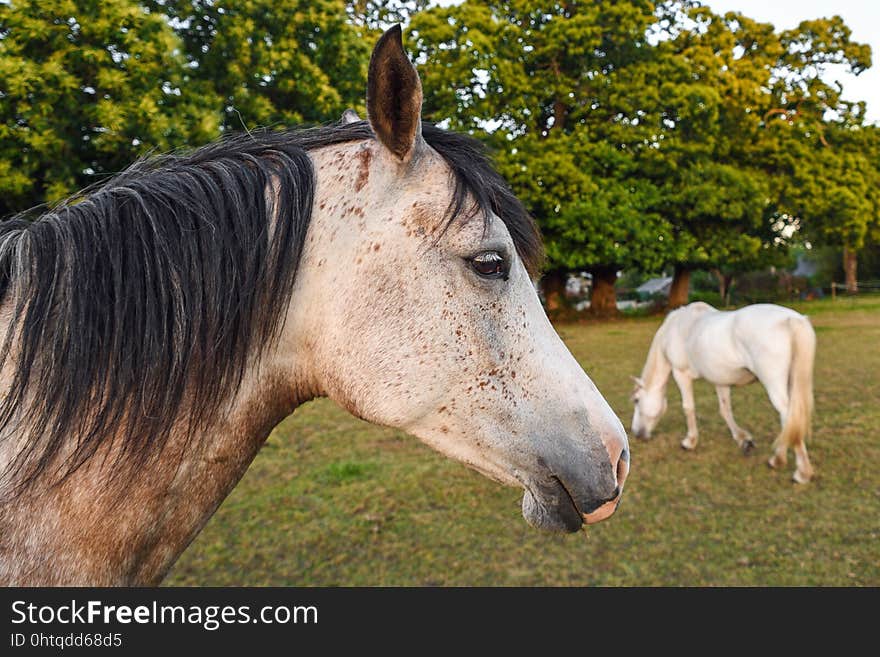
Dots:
pixel 129 530
pixel 656 372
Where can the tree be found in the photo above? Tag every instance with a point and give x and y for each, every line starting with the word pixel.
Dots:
pixel 722 81
pixel 833 175
pixel 546 85
pixel 706 120
pixel 275 62
pixel 836 190
pixel 632 131
pixel 605 224
pixel 85 88
pixel 723 213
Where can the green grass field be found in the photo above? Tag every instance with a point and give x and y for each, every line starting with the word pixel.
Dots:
pixel 332 500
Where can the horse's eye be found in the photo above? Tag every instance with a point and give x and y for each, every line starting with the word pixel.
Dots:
pixel 489 264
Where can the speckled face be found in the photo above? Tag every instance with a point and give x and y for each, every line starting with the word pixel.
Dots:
pixel 441 333
pixel 446 338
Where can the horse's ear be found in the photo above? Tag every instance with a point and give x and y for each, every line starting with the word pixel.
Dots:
pixel 349 116
pixel 394 96
pixel 638 382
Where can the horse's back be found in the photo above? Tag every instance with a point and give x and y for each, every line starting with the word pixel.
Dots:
pixel 713 351
pixel 765 331
pixel 757 323
pixel 765 315
pixel 752 342
pixel 679 331
pixel 735 347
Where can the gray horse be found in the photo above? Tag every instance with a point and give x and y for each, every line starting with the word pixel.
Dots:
pixel 156 330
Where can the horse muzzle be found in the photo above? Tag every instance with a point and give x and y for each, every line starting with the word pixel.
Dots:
pixel 567 497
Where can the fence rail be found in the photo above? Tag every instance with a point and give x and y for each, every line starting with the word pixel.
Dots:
pixel 860 285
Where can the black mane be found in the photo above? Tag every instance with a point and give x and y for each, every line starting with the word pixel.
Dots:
pixel 147 297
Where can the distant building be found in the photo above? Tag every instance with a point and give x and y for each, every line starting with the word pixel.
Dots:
pixel 655 286
pixel 805 266
pixel 578 285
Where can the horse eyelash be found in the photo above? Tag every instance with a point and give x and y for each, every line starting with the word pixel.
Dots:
pixel 488 256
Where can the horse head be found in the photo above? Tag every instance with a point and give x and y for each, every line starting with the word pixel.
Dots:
pixel 414 307
pixel 649 406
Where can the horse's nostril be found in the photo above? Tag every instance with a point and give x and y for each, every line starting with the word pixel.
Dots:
pixel 622 469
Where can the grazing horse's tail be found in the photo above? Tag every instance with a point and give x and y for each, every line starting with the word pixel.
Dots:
pixel 798 419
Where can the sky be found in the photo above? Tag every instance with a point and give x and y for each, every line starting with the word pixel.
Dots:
pixel 862 17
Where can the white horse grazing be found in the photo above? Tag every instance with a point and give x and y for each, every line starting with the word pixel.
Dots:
pixel 772 344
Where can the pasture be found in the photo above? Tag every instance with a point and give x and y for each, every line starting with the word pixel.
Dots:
pixel 332 500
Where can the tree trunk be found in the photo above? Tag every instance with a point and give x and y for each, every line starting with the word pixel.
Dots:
pixel 553 285
pixel 681 284
pixel 603 298
pixel 560 109
pixel 560 112
pixel 850 266
pixel 725 282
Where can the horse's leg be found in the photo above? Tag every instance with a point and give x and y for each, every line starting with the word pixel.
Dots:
pixel 740 435
pixel 804 471
pixel 778 393
pixel 779 398
pixel 686 386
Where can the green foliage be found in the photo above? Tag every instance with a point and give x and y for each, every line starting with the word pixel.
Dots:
pixel 85 88
pixel 697 122
pixel 836 186
pixel 590 215
pixel 712 297
pixel 274 62
pixel 640 133
pixel 826 160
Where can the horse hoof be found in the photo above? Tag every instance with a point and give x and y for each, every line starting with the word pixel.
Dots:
pixel 772 462
pixel 688 444
pixel 748 446
pixel 800 478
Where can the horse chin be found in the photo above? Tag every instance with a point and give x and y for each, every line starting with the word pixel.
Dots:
pixel 555 513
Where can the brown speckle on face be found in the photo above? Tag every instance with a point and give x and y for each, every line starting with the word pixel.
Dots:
pixel 364 156
pixel 420 219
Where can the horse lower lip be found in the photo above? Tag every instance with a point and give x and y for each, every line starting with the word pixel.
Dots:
pixel 569 496
pixel 548 510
